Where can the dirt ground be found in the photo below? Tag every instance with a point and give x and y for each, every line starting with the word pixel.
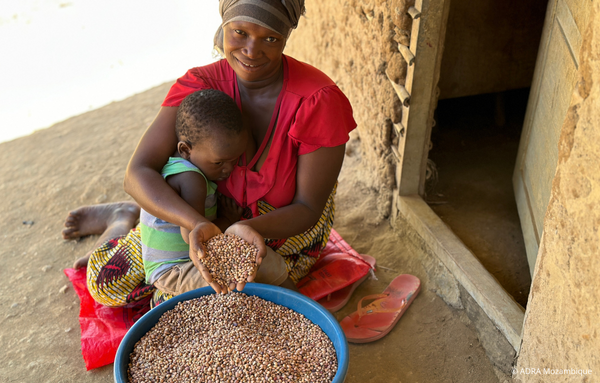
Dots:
pixel 82 160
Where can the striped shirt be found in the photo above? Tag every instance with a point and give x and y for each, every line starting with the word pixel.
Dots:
pixel 162 243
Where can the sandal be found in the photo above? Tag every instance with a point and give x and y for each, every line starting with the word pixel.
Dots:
pixel 376 320
pixel 338 299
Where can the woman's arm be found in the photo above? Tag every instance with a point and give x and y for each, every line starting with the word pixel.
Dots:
pixel 316 175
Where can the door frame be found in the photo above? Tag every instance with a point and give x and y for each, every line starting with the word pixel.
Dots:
pixel 419 97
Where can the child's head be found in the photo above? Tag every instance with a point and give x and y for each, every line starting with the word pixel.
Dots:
pixel 210 131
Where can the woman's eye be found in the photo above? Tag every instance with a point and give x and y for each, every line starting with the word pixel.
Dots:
pixel 218 163
pixel 271 39
pixel 238 31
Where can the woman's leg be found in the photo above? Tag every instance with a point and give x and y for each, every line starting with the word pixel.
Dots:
pixel 110 220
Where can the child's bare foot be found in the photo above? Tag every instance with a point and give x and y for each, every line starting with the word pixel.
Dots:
pixel 82 262
pixel 95 219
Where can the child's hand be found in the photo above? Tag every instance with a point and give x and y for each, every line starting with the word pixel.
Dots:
pixel 228 209
pixel 250 235
pixel 202 233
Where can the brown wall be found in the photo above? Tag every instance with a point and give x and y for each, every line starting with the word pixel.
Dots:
pixel 354 42
pixel 562 325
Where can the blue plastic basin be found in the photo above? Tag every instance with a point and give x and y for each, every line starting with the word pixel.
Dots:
pixel 295 301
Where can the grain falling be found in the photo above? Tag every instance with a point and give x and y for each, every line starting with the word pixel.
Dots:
pixel 229 259
pixel 233 338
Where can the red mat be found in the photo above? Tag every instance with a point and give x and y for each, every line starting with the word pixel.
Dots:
pixel 103 328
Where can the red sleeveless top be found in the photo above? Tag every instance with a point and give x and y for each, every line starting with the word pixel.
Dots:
pixel 311 112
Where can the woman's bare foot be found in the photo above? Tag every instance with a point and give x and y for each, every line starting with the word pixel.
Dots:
pixel 110 220
pixel 95 219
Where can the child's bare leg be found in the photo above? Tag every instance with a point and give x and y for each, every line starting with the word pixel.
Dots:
pixel 109 220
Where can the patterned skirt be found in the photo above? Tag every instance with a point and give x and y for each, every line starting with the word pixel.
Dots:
pixel 115 273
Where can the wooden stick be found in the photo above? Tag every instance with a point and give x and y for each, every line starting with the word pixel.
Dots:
pixel 407 54
pixel 414 13
pixel 400 91
pixel 399 128
pixel 396 152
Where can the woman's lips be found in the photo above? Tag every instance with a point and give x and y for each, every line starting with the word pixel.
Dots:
pixel 249 67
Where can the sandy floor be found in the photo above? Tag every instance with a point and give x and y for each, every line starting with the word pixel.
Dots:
pixel 81 161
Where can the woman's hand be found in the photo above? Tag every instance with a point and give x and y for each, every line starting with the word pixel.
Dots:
pixel 249 235
pixel 197 237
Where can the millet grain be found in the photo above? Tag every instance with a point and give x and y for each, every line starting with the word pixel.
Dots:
pixel 229 259
pixel 233 338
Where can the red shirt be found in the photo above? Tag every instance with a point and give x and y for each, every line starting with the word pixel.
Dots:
pixel 311 112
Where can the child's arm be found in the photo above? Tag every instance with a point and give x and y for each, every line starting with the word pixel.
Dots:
pixel 228 212
pixel 191 186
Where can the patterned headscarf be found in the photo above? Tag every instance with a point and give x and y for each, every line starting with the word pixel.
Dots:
pixel 280 16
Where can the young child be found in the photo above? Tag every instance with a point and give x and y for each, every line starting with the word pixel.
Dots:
pixel 211 139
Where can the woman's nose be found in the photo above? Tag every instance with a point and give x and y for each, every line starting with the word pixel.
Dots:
pixel 251 50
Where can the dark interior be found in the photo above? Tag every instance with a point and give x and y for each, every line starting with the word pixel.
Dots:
pixel 474 148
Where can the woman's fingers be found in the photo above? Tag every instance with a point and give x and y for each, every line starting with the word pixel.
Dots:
pixel 194 256
pixel 232 286
pixel 250 235
pixel 240 286
pixel 200 235
pixel 204 231
pixel 196 253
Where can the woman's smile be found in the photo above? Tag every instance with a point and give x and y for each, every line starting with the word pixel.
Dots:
pixel 247 65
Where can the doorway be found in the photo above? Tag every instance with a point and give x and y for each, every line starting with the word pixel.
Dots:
pixel 486 70
pixel 470 189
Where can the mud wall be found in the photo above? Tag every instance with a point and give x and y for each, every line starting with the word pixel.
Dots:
pixel 355 42
pixel 561 330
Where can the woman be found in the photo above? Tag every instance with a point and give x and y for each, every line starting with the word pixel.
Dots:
pixel 284 182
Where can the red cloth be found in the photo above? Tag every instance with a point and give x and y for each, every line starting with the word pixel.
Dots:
pixel 103 328
pixel 339 265
pixel 311 112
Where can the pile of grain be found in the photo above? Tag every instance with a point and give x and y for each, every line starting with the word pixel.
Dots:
pixel 233 338
pixel 230 259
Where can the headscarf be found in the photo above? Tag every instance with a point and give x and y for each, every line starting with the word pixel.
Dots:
pixel 280 16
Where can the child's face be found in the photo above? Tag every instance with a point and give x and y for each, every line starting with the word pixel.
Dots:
pixel 217 157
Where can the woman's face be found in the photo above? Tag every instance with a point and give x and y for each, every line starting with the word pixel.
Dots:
pixel 254 52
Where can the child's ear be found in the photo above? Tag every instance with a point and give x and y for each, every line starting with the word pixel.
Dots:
pixel 184 150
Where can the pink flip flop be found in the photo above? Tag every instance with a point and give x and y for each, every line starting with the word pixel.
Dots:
pixel 376 320
pixel 338 299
